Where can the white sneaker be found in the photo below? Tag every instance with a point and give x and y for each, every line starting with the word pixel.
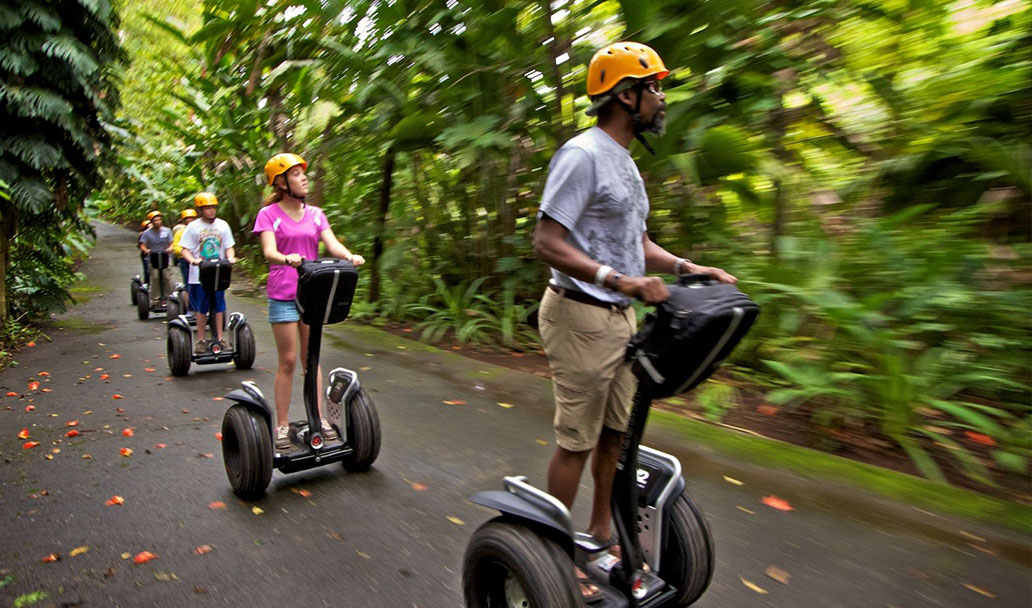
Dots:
pixel 283 438
pixel 329 433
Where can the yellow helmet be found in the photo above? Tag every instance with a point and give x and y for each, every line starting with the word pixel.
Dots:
pixel 205 199
pixel 153 214
pixel 144 224
pixel 185 213
pixel 621 60
pixel 280 163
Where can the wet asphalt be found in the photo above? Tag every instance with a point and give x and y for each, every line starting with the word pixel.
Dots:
pixel 393 536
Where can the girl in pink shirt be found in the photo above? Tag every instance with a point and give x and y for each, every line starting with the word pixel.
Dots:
pixel 291 231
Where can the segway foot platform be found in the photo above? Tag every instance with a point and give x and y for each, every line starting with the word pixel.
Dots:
pixel 300 457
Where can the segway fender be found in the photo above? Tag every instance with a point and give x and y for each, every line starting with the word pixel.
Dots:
pixel 236 320
pixel 253 400
pixel 181 323
pixel 536 516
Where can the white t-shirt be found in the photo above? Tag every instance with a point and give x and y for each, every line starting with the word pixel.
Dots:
pixel 207 241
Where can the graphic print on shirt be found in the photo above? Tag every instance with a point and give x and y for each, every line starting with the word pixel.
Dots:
pixel 210 240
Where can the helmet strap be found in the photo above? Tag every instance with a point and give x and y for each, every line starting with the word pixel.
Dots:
pixel 292 195
pixel 636 116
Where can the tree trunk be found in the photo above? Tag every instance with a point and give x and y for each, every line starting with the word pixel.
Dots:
pixel 556 48
pixel 381 224
pixel 6 230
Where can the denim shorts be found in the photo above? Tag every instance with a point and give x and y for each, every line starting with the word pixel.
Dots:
pixel 199 299
pixel 283 311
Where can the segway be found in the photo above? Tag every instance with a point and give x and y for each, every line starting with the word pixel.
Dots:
pixel 324 293
pixel 159 260
pixel 525 557
pixel 215 276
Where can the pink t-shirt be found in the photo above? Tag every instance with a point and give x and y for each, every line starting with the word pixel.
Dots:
pixel 300 237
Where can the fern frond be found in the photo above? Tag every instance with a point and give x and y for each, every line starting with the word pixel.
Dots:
pixel 35 151
pixel 10 19
pixel 72 51
pixel 41 15
pixel 17 62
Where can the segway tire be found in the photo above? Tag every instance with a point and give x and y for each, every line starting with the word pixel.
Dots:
pixel 363 433
pixel 509 564
pixel 133 287
pixel 142 305
pixel 688 556
pixel 243 357
pixel 247 451
pixel 178 351
pixel 172 310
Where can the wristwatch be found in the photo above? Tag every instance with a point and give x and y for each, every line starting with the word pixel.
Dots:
pixel 616 276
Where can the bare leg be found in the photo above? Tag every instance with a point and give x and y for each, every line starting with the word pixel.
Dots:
pixel 564 473
pixel 286 350
pixel 218 325
pixel 603 467
pixel 202 324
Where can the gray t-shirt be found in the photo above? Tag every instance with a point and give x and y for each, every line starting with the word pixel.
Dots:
pixel 595 191
pixel 157 240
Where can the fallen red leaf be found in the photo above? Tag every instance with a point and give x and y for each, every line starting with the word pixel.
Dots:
pixel 160 445
pixel 72 433
pixel 127 432
pixel 116 356
pixel 23 434
pixel 31 344
pixel 72 423
pixel 28 445
pixel 777 503
pixel 218 436
pixel 30 408
pixel 127 452
pixel 203 549
pixel 115 500
pixel 46 390
pixel 143 557
pixel 98 369
pixel 33 386
pixel 454 402
pixel 418 487
pixel 205 455
pixel 301 492
pixel 117 396
pixel 12 394
pixel 120 410
pixel 104 376
pixel 149 369
pixel 980 438
pixel 218 504
pixel 53 557
pixel 43 374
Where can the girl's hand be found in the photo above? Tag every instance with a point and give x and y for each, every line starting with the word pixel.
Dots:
pixel 357 260
pixel 292 259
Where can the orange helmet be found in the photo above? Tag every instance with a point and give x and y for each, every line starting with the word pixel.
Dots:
pixel 153 214
pixel 622 60
pixel 205 199
pixel 281 163
pixel 185 213
pixel 145 224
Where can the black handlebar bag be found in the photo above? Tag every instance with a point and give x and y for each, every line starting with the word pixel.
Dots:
pixel 159 259
pixel 215 274
pixel 325 289
pixel 689 335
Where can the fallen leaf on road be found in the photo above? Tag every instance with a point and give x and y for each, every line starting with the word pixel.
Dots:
pixel 12 394
pixel 257 510
pixel 33 386
pixel 505 405
pixel 87 412
pixel 301 492
pixel 980 590
pixel 777 574
pixel 150 369
pixel 44 374
pixel 186 411
pixel 127 432
pixel 87 457
pixel 161 445
pixel 115 500
pixel 541 442
pixel 28 445
pixel 143 557
pixel 127 452
pixel 456 520
pixel 78 551
pixel 203 549
pixel 117 396
pixel 749 511
pixel 363 554
pixel 127 375
pixel 205 455
pixel 777 503
pixel 118 356
pixel 418 487
pixel 53 557
pixel 753 586
pixel 364 368
pixel 218 435
pixel 23 434
pixel 126 555
pixel 104 376
pixel 218 398
pixel 30 408
pixel 46 390
pixel 49 457
pixel 72 423
pixel 98 369
pixel 218 504
pixel 30 344
pixel 454 402
pixel 733 481
pixel 72 433
pixel 109 572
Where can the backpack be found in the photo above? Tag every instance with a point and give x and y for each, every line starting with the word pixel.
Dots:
pixel 325 289
pixel 684 340
pixel 214 274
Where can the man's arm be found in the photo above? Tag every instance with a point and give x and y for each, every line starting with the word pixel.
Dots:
pixel 658 259
pixel 550 245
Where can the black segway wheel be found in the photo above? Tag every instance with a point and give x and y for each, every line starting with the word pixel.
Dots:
pixel 509 564
pixel 247 451
pixel 172 310
pixel 178 351
pixel 142 304
pixel 363 432
pixel 243 357
pixel 688 556
pixel 133 287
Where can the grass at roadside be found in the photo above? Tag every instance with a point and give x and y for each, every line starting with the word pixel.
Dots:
pixel 812 464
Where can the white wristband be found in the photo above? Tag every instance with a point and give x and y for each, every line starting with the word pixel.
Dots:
pixel 678 264
pixel 600 276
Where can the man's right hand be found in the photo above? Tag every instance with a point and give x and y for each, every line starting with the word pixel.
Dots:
pixel 651 290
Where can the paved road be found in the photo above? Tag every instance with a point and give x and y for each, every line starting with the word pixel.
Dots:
pixel 392 537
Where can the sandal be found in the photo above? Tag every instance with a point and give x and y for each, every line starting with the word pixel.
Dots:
pixel 590 592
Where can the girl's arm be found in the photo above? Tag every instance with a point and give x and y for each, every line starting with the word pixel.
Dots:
pixel 272 254
pixel 336 249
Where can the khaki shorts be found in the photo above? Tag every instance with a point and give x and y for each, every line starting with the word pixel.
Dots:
pixel 585 346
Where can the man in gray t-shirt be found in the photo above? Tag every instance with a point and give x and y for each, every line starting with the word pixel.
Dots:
pixel 157 238
pixel 592 232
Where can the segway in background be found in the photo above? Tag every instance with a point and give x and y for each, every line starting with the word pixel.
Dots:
pixel 215 276
pixel 138 280
pixel 525 557
pixel 324 292
pixel 159 260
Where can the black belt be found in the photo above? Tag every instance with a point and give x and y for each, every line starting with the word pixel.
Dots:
pixel 583 298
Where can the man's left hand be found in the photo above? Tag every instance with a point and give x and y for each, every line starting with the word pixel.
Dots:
pixel 718 273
